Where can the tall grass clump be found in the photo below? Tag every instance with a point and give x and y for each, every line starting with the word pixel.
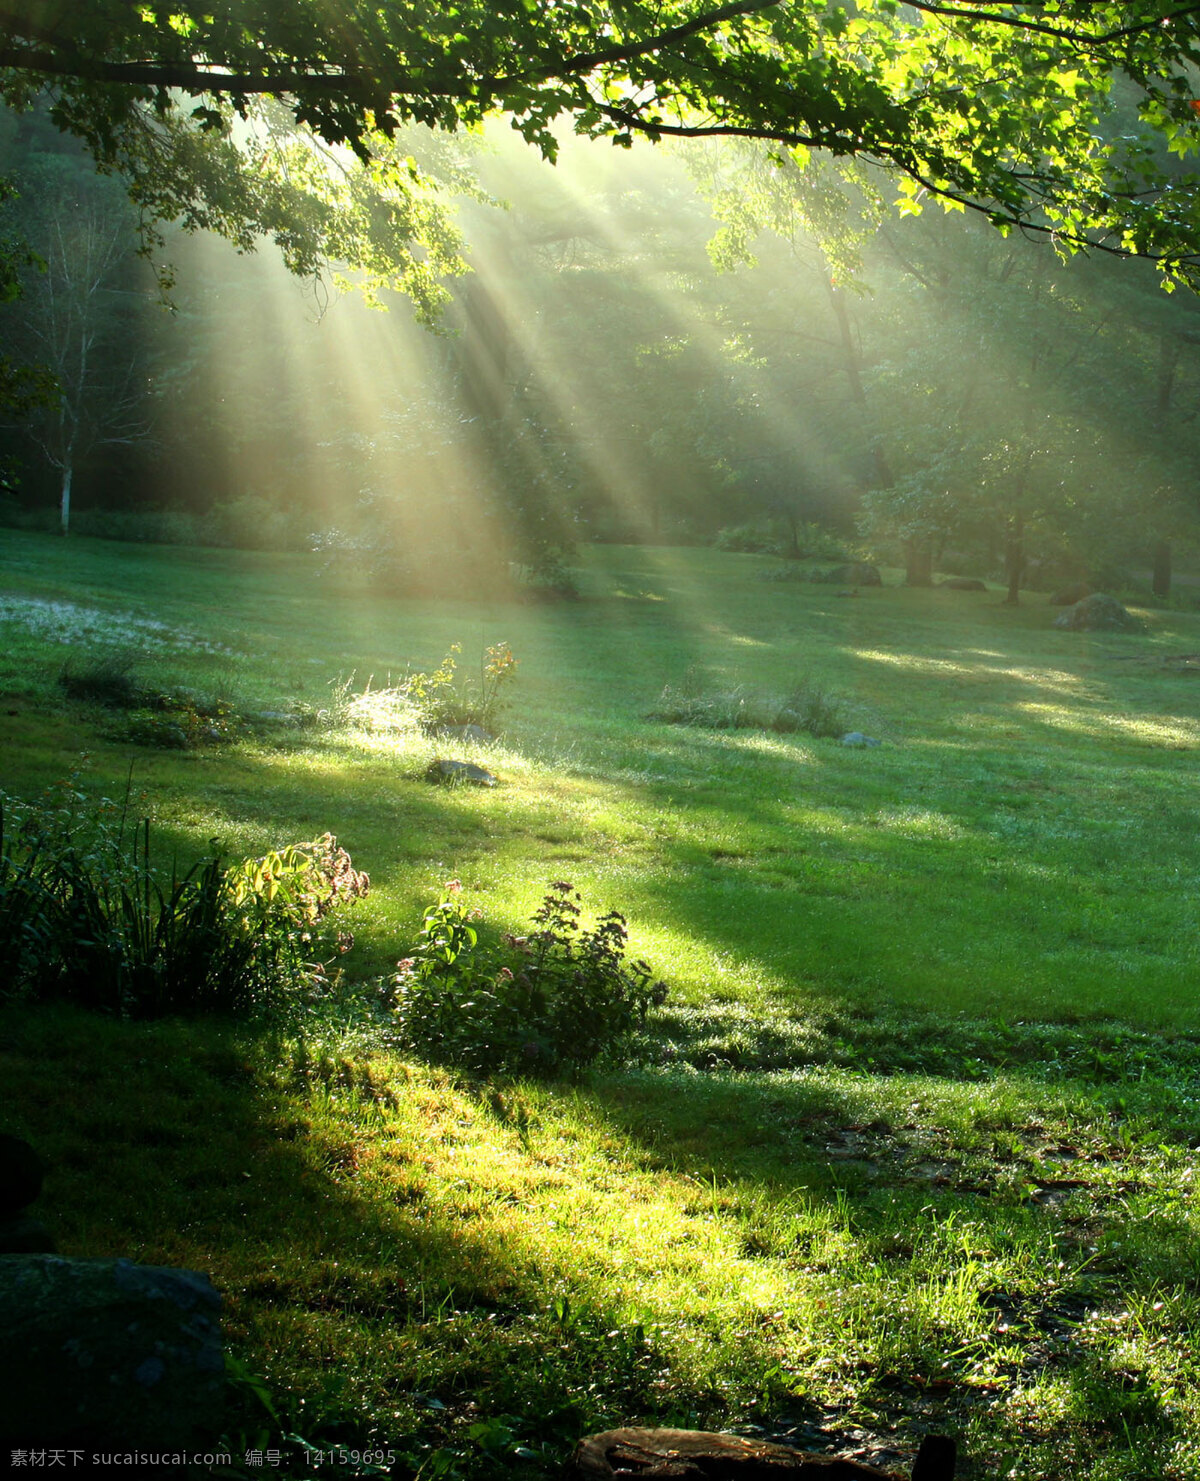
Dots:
pixel 806 707
pixel 86 917
pixel 108 679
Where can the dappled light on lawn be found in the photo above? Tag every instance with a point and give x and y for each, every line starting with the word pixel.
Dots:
pixel 1179 732
pixel 660 1241
pixel 921 663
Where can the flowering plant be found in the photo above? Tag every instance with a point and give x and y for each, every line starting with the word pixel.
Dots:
pixel 550 1001
pixel 444 697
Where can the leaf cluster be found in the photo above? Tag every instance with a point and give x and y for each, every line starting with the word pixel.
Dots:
pixel 444 697
pixel 1011 111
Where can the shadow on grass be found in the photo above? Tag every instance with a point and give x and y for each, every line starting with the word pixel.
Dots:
pixel 404 1258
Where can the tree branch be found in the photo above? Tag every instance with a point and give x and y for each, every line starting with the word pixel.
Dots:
pixel 194 77
pixel 585 61
pixel 1077 38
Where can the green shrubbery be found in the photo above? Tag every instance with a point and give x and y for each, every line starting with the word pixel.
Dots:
pixel 551 1001
pixel 431 702
pixel 779 537
pixel 249 523
pixel 108 679
pixel 175 717
pixel 179 717
pixel 807 707
pixel 86 917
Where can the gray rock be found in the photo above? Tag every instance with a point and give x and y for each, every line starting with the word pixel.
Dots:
pixel 857 738
pixel 457 772
pixel 963 583
pixel 1099 613
pixel 273 717
pixel 102 1351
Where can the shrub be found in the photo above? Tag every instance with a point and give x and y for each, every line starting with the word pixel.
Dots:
pixel 811 709
pixel 106 680
pixel 721 709
pixel 545 575
pixel 806 541
pixel 175 717
pixel 383 709
pixel 436 565
pixel 541 1004
pixel 445 697
pixel 807 708
pixel 150 526
pixel 180 718
pixel 388 708
pixel 791 572
pixel 85 916
pixel 253 522
pixel 748 539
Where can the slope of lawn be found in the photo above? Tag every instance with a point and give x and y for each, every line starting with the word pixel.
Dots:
pixel 910 1146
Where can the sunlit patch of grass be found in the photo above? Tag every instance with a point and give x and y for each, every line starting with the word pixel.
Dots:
pixel 919 822
pixel 921 663
pixel 1177 731
pixel 1009 1260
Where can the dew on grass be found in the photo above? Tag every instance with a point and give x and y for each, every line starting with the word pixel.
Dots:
pixel 68 622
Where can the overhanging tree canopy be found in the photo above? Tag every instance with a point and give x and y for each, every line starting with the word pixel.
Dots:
pixel 1061 117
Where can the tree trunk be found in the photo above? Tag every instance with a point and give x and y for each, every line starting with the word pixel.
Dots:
pixel 1171 348
pixel 918 563
pixel 1014 557
pixel 793 551
pixel 64 503
pixel 1162 569
pixel 1168 363
pixel 850 363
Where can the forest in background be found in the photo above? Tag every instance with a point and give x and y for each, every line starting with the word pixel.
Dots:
pixel 684 344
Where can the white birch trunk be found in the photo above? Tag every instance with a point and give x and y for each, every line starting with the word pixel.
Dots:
pixel 65 502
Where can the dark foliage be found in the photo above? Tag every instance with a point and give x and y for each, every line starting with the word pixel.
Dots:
pixel 86 917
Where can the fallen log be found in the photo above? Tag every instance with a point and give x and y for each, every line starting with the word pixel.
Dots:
pixel 696 1455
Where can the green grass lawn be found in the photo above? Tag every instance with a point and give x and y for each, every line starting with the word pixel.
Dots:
pixel 910 1147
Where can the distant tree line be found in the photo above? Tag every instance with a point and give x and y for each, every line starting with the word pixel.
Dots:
pixel 648 347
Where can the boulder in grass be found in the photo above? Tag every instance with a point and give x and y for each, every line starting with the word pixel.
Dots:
pixel 963 583
pixel 695 1455
pixel 106 1352
pixel 457 773
pixel 857 738
pixel 1099 613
